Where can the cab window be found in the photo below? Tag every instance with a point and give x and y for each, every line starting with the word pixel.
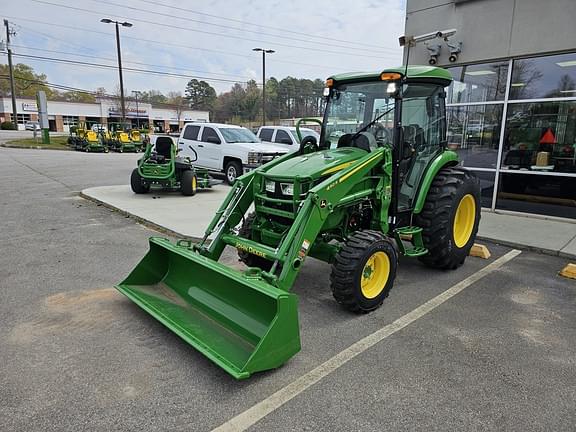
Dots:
pixel 191 132
pixel 210 135
pixel 282 137
pixel 266 134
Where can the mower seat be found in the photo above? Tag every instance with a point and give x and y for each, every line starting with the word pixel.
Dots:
pixel 163 147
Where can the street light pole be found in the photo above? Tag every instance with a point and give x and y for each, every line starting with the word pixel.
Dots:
pixel 264 52
pixel 123 24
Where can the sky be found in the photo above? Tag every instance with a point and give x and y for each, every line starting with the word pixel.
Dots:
pixel 210 40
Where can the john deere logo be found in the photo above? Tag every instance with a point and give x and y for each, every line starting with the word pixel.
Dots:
pixel 249 249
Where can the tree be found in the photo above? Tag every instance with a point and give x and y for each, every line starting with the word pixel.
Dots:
pixel 152 96
pixel 178 102
pixel 77 96
pixel 200 95
pixel 26 81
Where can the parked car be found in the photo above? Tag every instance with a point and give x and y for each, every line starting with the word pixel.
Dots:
pixel 228 149
pixel 31 125
pixel 285 135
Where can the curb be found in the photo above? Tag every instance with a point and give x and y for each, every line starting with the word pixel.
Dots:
pixel 32 148
pixel 537 249
pixel 138 219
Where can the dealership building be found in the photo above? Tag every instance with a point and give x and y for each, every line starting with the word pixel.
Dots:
pixel 512 105
pixel 62 115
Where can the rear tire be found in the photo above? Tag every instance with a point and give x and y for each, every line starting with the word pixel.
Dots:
pixel 364 270
pixel 450 218
pixel 188 183
pixel 138 186
pixel 233 170
pixel 247 258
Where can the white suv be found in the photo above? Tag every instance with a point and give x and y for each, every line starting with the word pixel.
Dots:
pixel 232 150
pixel 286 136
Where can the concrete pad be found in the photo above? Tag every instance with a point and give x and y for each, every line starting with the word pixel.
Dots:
pixel 570 249
pixel 184 215
pixel 537 234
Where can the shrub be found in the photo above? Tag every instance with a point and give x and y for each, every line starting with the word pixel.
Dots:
pixel 7 126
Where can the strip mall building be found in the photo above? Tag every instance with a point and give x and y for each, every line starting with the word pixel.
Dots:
pixel 62 115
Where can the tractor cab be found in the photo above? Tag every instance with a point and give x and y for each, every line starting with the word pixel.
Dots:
pixel 406 114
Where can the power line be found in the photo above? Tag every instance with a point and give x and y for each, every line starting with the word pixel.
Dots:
pixel 171 16
pixel 284 30
pixel 205 32
pixel 131 62
pixel 187 47
pixel 136 70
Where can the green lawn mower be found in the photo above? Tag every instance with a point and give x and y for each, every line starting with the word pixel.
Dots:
pixel 120 138
pixel 137 139
pixel 161 168
pixel 379 184
pixel 85 139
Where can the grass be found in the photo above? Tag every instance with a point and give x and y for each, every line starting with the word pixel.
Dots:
pixel 56 143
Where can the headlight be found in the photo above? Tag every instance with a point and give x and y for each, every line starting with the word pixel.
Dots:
pixel 254 158
pixel 270 186
pixel 287 188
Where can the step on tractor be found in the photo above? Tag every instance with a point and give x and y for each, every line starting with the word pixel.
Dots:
pixel 160 167
pixel 379 184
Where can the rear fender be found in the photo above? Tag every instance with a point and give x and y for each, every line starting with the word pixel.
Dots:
pixel 445 159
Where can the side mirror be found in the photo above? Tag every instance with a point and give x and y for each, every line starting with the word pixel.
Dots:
pixel 213 140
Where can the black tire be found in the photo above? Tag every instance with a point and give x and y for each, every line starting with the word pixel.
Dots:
pixel 448 189
pixel 138 186
pixel 247 258
pixel 188 183
pixel 351 264
pixel 232 171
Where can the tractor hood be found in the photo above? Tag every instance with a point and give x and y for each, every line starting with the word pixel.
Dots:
pixel 318 164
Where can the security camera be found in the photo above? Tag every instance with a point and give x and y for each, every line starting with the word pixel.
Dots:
pixel 434 35
pixel 434 51
pixel 455 49
pixel 445 33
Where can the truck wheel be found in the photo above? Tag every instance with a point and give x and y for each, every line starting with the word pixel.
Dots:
pixel 450 218
pixel 233 170
pixel 247 258
pixel 138 186
pixel 188 183
pixel 364 270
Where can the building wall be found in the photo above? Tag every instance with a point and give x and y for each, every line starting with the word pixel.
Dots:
pixel 493 29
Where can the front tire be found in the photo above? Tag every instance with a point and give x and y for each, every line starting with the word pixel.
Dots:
pixel 233 170
pixel 189 183
pixel 364 270
pixel 138 186
pixel 450 218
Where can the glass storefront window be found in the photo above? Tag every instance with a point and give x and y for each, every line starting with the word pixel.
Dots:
pixel 544 77
pixel 540 194
pixel 540 136
pixel 487 180
pixel 478 83
pixel 474 133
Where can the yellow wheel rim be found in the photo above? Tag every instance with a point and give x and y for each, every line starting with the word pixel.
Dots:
pixel 464 220
pixel 193 183
pixel 375 275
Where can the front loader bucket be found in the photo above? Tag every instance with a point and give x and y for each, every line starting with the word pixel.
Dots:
pixel 242 324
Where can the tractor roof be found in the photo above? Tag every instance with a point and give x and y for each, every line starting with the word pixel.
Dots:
pixel 420 73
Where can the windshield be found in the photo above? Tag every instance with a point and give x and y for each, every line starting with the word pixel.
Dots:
pixel 238 135
pixel 351 107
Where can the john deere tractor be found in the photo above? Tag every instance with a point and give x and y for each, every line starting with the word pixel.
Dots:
pixel 160 167
pixel 120 138
pixel 379 184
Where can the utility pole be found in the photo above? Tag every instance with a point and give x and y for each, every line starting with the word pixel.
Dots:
pixel 264 52
pixel 136 93
pixel 11 68
pixel 123 24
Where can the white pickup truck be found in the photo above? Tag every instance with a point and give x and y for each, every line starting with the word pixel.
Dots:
pixel 228 149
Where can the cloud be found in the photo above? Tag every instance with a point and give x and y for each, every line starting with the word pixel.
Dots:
pixel 321 46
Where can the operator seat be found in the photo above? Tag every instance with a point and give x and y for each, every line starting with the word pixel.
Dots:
pixel 162 150
pixel 361 142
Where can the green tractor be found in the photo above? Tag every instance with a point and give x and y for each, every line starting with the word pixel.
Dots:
pixel 161 168
pixel 379 184
pixel 82 138
pixel 120 138
pixel 137 139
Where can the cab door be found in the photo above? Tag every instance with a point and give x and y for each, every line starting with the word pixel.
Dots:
pixel 424 134
pixel 188 143
pixel 210 145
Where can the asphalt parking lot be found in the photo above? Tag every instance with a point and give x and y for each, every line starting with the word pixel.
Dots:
pixel 77 356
